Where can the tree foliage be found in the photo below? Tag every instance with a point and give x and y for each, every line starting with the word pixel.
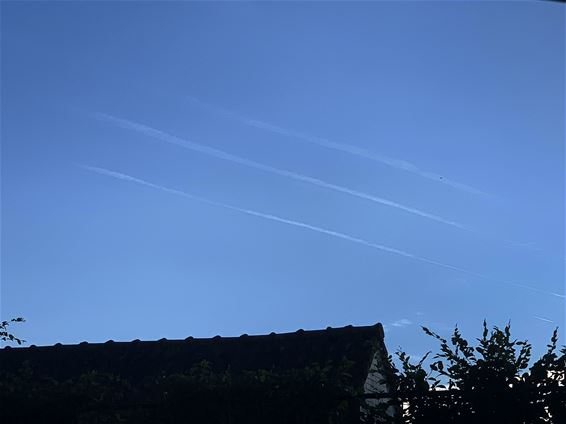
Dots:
pixel 318 393
pixel 493 381
pixel 5 334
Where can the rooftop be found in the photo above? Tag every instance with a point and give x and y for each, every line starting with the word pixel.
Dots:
pixel 137 359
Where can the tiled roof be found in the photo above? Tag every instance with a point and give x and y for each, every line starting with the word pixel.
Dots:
pixel 139 359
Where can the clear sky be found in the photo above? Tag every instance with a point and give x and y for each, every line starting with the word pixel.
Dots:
pixel 176 169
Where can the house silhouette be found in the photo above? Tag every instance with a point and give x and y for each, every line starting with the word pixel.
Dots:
pixel 299 377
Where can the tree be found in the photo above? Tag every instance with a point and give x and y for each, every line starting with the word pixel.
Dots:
pixel 5 334
pixel 491 382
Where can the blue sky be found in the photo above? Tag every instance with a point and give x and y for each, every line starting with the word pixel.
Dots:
pixel 176 169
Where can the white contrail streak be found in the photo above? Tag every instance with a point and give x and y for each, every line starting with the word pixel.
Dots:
pixel 358 151
pixel 543 319
pixel 163 136
pixel 300 224
pixel 342 147
pixel 220 154
pixel 537 290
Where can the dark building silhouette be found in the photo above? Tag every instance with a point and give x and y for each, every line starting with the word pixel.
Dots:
pixel 305 376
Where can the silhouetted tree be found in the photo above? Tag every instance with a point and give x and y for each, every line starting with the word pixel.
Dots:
pixel 491 382
pixel 5 335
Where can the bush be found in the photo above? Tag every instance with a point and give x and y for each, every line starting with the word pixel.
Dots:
pixel 488 383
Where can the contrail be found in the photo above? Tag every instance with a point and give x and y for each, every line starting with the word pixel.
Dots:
pixel 356 151
pixel 537 290
pixel 220 154
pixel 299 224
pixel 543 319
pixel 342 147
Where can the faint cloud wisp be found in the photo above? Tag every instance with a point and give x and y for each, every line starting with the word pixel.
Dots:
pixel 403 322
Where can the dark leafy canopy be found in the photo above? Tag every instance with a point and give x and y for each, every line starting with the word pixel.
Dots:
pixel 5 335
pixel 315 394
pixel 489 382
